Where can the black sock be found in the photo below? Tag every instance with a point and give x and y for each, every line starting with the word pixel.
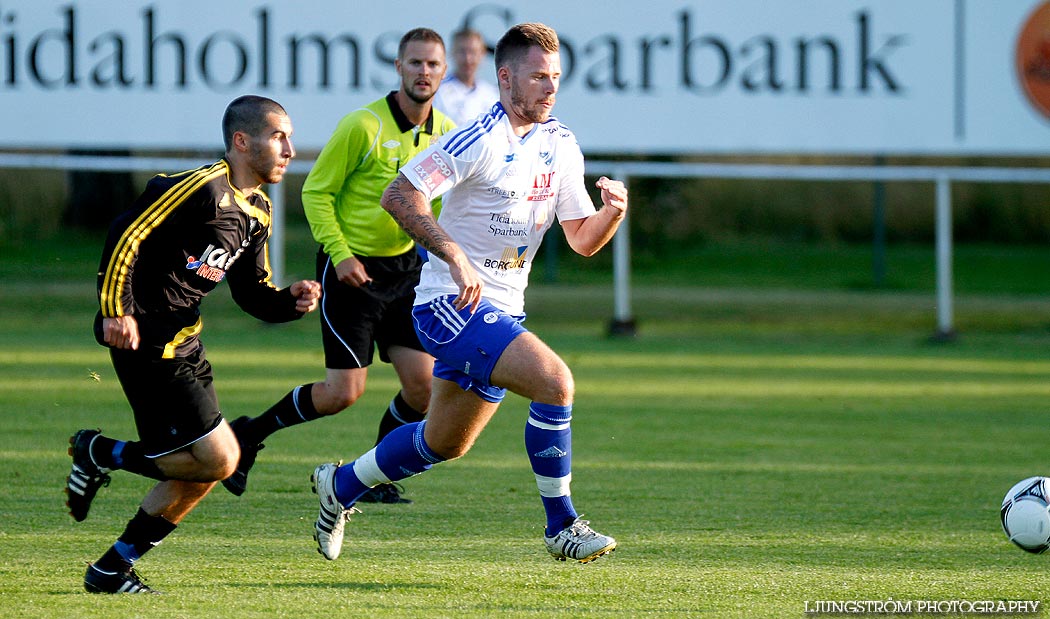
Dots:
pixel 131 458
pixel 101 452
pixel 296 407
pixel 134 460
pixel 397 414
pixel 112 561
pixel 142 534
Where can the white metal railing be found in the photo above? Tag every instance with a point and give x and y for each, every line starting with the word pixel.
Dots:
pixel 942 177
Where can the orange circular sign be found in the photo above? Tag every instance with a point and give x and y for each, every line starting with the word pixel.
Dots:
pixel 1033 58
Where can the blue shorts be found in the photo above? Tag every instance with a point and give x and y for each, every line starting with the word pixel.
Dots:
pixel 466 346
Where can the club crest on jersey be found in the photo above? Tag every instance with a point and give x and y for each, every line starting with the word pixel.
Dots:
pixel 214 262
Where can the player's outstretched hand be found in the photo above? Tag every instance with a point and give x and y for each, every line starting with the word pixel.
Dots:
pixel 614 193
pixel 307 293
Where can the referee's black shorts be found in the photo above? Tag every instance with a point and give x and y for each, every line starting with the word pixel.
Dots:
pixel 173 400
pixel 357 320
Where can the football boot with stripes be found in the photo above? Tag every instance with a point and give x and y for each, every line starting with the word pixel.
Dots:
pixel 100 581
pixel 85 478
pixel 579 542
pixel 332 517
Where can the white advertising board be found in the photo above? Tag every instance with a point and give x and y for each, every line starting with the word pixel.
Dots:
pixel 940 77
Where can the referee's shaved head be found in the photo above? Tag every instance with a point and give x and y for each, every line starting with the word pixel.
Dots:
pixel 513 45
pixel 247 114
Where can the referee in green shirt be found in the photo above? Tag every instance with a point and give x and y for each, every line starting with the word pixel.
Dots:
pixel 368 267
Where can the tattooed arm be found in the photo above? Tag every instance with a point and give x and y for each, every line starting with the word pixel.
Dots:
pixel 411 210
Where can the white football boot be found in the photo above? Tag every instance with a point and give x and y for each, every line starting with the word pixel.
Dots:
pixel 332 517
pixel 579 542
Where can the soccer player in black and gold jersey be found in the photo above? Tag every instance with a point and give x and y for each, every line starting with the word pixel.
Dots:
pixel 183 236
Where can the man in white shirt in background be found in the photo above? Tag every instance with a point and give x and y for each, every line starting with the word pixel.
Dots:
pixel 462 96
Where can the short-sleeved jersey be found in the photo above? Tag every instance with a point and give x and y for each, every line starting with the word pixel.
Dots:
pixel 186 233
pixel 500 195
pixel 341 194
pixel 464 103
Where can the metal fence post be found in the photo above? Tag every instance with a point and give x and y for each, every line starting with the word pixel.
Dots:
pixel 945 329
pixel 275 247
pixel 623 319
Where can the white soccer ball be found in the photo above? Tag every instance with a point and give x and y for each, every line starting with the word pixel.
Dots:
pixel 1026 514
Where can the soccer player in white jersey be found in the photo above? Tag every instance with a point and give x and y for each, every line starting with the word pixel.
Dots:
pixel 504 179
pixel 462 95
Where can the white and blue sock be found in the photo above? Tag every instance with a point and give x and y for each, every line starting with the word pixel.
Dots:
pixel 402 453
pixel 548 441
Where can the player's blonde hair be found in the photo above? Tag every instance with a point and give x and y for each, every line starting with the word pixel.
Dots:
pixel 513 45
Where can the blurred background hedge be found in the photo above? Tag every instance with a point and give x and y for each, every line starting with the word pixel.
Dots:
pixel 667 213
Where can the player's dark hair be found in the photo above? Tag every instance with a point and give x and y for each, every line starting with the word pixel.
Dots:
pixel 247 114
pixel 513 45
pixel 418 34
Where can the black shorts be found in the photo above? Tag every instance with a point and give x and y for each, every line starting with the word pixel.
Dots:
pixel 173 399
pixel 357 320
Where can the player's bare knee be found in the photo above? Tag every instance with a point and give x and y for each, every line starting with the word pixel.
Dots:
pixel 334 401
pixel 344 401
pixel 220 465
pixel 559 390
pixel 566 391
pixel 222 470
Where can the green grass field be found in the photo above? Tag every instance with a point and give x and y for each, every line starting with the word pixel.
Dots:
pixel 759 445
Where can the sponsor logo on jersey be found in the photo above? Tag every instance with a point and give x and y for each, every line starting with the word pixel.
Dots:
pixel 433 171
pixel 512 258
pixel 541 187
pixel 391 144
pixel 508 220
pixel 214 262
pixel 504 224
pixel 506 193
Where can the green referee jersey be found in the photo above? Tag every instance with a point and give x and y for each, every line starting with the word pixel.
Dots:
pixel 341 194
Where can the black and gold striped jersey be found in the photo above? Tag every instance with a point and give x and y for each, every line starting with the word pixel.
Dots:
pixel 185 234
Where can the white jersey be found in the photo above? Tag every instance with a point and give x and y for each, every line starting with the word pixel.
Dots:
pixel 461 102
pixel 501 193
